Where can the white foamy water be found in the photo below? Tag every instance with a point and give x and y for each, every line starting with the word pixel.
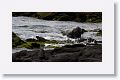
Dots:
pixel 27 27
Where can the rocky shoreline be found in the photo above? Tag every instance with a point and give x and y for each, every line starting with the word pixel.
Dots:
pixel 68 53
pixel 80 50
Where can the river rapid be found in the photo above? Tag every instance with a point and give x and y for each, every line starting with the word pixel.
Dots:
pixel 28 27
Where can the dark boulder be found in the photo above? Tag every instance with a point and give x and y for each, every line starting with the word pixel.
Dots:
pixel 76 33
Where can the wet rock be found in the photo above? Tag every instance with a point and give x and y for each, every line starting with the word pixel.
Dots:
pixel 24 25
pixel 41 39
pixel 80 40
pixel 31 40
pixel 76 33
pixel 75 45
pixel 89 40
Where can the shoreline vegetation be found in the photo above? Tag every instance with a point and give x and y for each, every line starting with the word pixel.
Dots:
pixel 91 17
pixel 90 51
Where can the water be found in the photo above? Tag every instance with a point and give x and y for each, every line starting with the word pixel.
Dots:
pixel 20 49
pixel 28 27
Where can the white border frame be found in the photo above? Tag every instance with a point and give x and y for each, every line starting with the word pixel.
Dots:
pixel 104 67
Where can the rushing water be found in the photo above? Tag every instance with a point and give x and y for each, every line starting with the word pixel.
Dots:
pixel 28 27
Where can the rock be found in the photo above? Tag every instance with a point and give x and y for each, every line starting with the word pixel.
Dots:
pixel 68 49
pixel 23 26
pixel 75 45
pixel 31 40
pixel 35 45
pixel 83 30
pixel 65 57
pixel 28 56
pixel 16 40
pixel 41 39
pixel 92 54
pixel 76 33
pixel 75 53
pixel 64 49
pixel 89 40
pixel 80 40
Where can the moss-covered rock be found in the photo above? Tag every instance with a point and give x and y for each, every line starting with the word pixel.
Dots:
pixel 32 45
pixel 16 40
